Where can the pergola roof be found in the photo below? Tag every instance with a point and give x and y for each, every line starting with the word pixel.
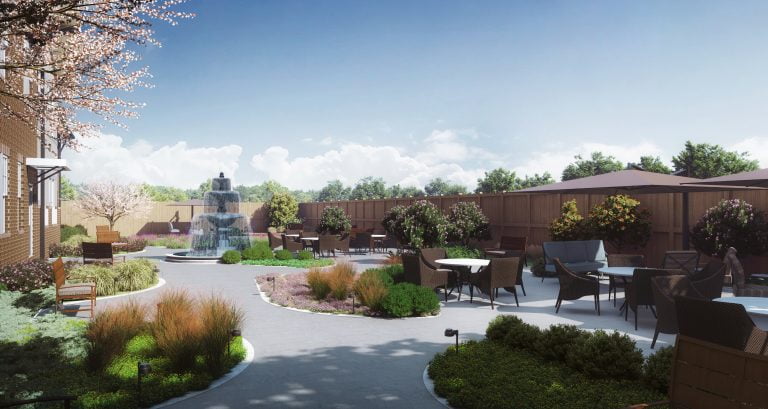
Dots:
pixel 47 164
pixel 757 178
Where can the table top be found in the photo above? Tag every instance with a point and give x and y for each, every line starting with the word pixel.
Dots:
pixel 378 236
pixel 291 235
pixel 463 262
pixel 617 271
pixel 310 238
pixel 753 305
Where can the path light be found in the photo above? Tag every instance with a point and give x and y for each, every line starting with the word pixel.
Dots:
pixel 232 334
pixel 144 368
pixel 453 333
pixel 353 302
pixel 272 279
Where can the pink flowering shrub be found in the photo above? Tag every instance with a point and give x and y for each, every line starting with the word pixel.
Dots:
pixel 292 290
pixel 731 223
pixel 26 276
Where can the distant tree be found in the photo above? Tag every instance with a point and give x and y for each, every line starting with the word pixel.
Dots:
pixel 334 190
pixel 200 191
pixel 536 180
pixel 498 180
pixel 438 186
pixel 653 164
pixel 112 201
pixel 597 164
pixel 282 208
pixel 369 188
pixel 262 192
pixel 408 191
pixel 165 193
pixel 68 191
pixel 304 196
pixel 706 161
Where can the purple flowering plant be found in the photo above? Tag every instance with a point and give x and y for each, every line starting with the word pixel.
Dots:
pixel 731 223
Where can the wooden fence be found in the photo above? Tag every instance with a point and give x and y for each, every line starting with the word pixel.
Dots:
pixel 156 220
pixel 530 214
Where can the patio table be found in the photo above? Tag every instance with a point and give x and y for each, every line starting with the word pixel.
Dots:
pixel 462 266
pixel 310 238
pixel 291 235
pixel 757 308
pixel 622 273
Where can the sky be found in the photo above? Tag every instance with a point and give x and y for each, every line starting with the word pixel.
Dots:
pixel 303 92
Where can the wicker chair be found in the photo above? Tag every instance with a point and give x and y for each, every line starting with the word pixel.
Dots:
pixel 686 260
pixel 416 271
pixel 639 290
pixel 501 272
pixel 740 286
pixel 722 323
pixel 291 245
pixel 574 286
pixel 326 244
pixel 622 260
pixel 342 243
pixel 665 289
pixel 308 244
pixel 72 291
pixel 709 280
pixel 275 240
pixel 507 243
pixel 361 241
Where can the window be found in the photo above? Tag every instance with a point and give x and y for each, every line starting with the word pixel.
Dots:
pixel 3 47
pixel 27 85
pixel 18 179
pixel 3 190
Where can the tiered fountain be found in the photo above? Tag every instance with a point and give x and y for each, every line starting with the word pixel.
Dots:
pixel 219 228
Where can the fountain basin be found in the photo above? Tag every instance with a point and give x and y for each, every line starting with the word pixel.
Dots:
pixel 186 257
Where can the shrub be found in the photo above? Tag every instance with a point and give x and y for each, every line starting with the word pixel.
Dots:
pixel 608 356
pixel 318 283
pixel 3 287
pixel 393 258
pixel 231 257
pixel 556 341
pixel 620 221
pixel 259 251
pixel 282 209
pixel 136 274
pixel 398 302
pixel 333 220
pixel 218 317
pixel 371 289
pixel 65 250
pixel 177 329
pixel 523 336
pixel 103 274
pixel 462 252
pixel 69 231
pixel 425 301
pixel 731 223
pixel 570 225
pixel 283 254
pixel 340 279
pixel 133 244
pixel 392 274
pixel 425 225
pixel 78 239
pixel 500 326
pixel 658 369
pixel 110 330
pixel 393 223
pixel 466 221
pixel 27 275
pixel 305 255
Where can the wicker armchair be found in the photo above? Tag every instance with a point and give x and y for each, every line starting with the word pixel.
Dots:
pixel 639 290
pixel 417 272
pixel 574 286
pixel 361 241
pixel 342 243
pixel 722 323
pixel 507 243
pixel 709 280
pixel 500 273
pixel 326 244
pixel 275 240
pixel 290 245
pixel 686 260
pixel 622 260
pixel 740 286
pixel 665 289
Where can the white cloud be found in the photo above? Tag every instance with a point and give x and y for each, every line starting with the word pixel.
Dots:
pixel 757 147
pixel 106 158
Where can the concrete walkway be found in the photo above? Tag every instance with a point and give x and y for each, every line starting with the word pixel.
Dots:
pixel 320 361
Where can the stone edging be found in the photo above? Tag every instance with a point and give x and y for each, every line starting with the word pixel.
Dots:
pixel 266 299
pixel 237 370
pixel 160 282
pixel 431 388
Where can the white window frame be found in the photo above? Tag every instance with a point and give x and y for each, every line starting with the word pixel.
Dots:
pixel 26 85
pixel 3 55
pixel 3 190
pixel 20 185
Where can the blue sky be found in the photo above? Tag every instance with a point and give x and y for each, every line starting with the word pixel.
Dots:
pixel 308 91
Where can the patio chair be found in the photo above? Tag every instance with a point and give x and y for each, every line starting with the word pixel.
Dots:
pixel 739 285
pixel 173 230
pixel 342 243
pixel 275 240
pixel 98 252
pixel 308 245
pixel 107 236
pixel 709 280
pixel 102 227
pixel 416 271
pixel 72 291
pixel 291 245
pixel 362 242
pixel 378 242
pixel 686 260
pixel 574 286
pixel 622 260
pixel 665 289
pixel 326 244
pixel 501 272
pixel 721 323
pixel 639 291
pixel 507 243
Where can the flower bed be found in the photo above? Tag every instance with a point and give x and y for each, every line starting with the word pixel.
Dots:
pixel 295 263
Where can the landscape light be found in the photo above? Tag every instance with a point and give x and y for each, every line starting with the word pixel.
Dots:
pixel 453 333
pixel 144 368
pixel 272 279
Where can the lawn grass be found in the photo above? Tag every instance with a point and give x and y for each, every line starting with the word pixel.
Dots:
pixel 491 375
pixel 322 262
pixel 46 356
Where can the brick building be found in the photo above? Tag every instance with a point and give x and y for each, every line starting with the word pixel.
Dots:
pixel 20 202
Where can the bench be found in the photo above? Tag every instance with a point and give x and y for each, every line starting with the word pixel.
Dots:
pixel 98 252
pixel 581 256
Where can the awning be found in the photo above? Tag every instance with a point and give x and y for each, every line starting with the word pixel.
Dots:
pixel 47 167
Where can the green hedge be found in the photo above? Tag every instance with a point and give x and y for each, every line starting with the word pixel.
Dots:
pixel 406 300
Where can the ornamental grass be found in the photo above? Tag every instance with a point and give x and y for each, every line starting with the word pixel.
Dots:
pixel 111 329
pixel 177 328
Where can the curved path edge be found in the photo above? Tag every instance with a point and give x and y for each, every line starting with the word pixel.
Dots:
pixel 160 282
pixel 236 370
pixel 431 388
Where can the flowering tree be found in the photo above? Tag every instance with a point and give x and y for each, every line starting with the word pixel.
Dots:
pixel 621 221
pixel 466 221
pixel 112 201
pixel 78 52
pixel 731 223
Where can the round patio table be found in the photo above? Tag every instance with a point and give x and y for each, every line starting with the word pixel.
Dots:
pixel 757 308
pixel 623 272
pixel 378 236
pixel 462 266
pixel 291 235
pixel 310 238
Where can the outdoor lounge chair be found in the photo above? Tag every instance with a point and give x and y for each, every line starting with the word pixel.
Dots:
pixel 665 289
pixel 722 323
pixel 622 260
pixel 326 244
pixel 98 252
pixel 574 286
pixel 416 271
pixel 275 240
pixel 639 291
pixel 72 291
pixel 709 280
pixel 686 260
pixel 510 246
pixel 501 272
pixel 739 285
pixel 291 245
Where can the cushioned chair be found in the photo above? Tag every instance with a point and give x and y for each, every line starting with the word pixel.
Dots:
pixel 722 323
pixel 574 286
pixel 639 291
pixel 686 260
pixel 622 260
pixel 665 289
pixel 72 291
pixel 709 280
pixel 581 256
pixel 291 245
pixel 739 285
pixel 501 272
pixel 416 271
pixel 510 246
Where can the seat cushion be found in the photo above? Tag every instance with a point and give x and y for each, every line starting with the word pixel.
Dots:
pixel 594 250
pixel 575 252
pixel 72 290
pixel 585 266
pixel 554 249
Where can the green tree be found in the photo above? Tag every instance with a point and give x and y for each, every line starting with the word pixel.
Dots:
pixel 200 191
pixel 165 193
pixel 282 208
pixel 439 186
pixel 408 191
pixel 68 191
pixel 597 164
pixel 536 180
pixel 498 180
pixel 334 190
pixel 653 164
pixel 369 188
pixel 707 161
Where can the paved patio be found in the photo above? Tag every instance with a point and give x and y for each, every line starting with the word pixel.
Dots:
pixel 322 361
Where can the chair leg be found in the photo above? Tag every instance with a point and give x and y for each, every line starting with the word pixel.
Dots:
pixel 597 301
pixel 636 314
pixel 653 310
pixel 522 286
pixel 492 307
pixel 557 304
pixel 515 294
pixel 655 336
